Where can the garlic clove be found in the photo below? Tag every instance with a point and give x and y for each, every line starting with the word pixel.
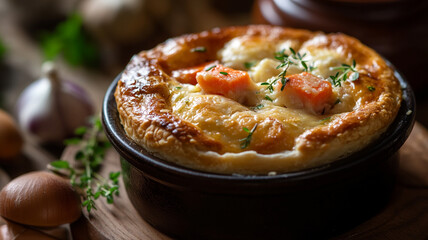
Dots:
pixel 11 140
pixel 39 199
pixel 51 109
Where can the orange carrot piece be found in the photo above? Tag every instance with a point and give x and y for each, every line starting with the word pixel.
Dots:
pixel 188 75
pixel 223 80
pixel 308 90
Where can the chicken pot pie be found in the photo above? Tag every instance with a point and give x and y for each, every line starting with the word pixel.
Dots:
pixel 257 99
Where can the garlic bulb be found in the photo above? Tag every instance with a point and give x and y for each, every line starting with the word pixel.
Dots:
pixel 52 109
pixel 10 138
pixel 40 199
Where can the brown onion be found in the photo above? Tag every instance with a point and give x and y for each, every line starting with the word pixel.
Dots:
pixel 39 199
pixel 14 231
pixel 11 140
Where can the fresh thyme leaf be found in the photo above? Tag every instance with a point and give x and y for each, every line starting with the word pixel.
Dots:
pixel 296 59
pixel 268 98
pixel 269 84
pixel 178 88
pixel 211 67
pixel 258 107
pixel 326 119
pixel 305 66
pixel 345 72
pixel 80 131
pixel 337 101
pixel 249 65
pixel 224 73
pixel 199 49
pixel 92 148
pixel 72 141
pixel 245 142
pixel 71 41
pixel 60 164
pixel 283 82
pixel 371 88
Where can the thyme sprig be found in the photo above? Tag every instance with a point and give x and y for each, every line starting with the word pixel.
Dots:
pixel 92 148
pixel 286 60
pixel 245 142
pixel 345 72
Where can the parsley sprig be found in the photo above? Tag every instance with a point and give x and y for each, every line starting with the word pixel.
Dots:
pixel 345 72
pixel 92 148
pixel 245 142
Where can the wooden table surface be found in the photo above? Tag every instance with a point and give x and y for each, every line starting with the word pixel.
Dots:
pixel 405 217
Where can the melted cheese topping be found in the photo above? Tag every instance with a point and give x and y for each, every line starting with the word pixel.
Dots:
pixel 181 123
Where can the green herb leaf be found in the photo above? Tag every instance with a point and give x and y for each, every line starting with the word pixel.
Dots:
pixel 371 88
pixel 249 65
pixel 60 164
pixel 345 72
pixel 2 49
pixel 178 88
pixel 268 98
pixel 258 107
pixel 245 142
pixel 72 141
pixel 80 131
pixel 224 73
pixel 71 41
pixel 92 148
pixel 199 49
pixel 286 61
pixel 114 175
pixel 326 119
pixel 210 67
pixel 337 101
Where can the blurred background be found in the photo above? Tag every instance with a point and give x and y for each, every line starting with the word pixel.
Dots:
pixel 89 42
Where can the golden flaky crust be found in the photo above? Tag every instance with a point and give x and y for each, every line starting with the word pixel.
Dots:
pixel 184 125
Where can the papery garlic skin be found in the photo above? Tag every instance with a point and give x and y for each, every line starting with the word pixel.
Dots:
pixel 51 109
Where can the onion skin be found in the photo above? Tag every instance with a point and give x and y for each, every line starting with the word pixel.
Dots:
pixel 40 199
pixel 15 231
pixel 11 140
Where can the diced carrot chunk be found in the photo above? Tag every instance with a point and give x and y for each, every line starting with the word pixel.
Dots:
pixel 308 91
pixel 224 81
pixel 188 75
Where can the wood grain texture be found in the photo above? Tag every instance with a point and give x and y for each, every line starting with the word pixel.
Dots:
pixel 405 217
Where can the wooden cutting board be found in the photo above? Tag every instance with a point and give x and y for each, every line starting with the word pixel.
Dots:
pixel 405 217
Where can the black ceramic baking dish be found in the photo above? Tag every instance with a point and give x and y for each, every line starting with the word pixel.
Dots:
pixel 309 204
